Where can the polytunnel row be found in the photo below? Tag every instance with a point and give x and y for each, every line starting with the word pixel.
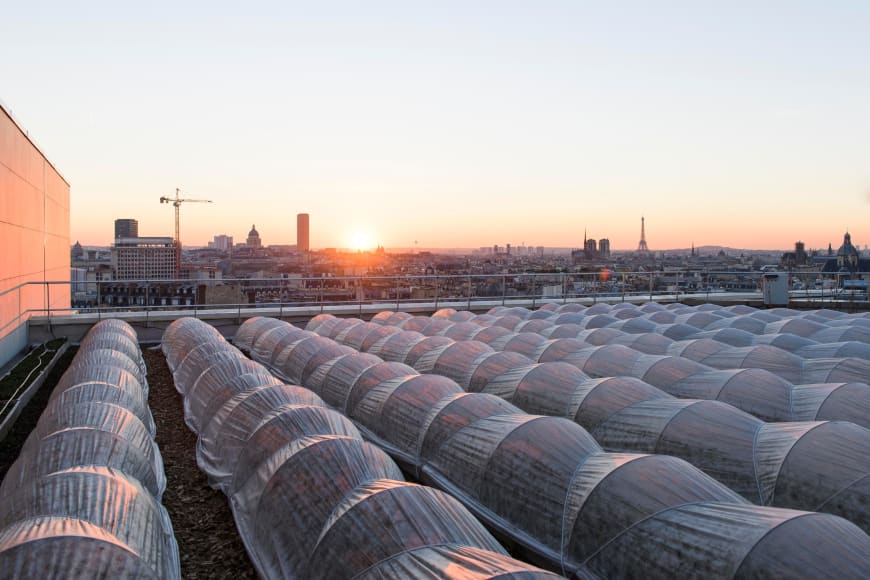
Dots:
pixel 544 482
pixel 754 390
pixel 83 498
pixel 814 466
pixel 814 347
pixel 310 498
pixel 765 380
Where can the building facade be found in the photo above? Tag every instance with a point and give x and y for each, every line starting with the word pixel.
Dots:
pixel 302 233
pixel 144 258
pixel 222 242
pixel 126 228
pixel 34 235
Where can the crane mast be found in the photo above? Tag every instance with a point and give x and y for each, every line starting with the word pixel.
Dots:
pixel 176 203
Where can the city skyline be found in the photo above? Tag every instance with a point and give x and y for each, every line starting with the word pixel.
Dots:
pixel 454 125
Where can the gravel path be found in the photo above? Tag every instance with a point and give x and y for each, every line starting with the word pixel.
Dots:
pixel 209 544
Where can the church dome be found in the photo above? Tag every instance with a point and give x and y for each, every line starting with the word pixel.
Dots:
pixel 847 249
pixel 255 233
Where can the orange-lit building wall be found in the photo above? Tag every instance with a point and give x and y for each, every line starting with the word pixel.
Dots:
pixel 34 235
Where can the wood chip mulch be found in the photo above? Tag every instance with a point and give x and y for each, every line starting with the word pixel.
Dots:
pixel 208 541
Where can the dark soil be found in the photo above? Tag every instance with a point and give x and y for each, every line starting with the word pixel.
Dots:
pixel 208 541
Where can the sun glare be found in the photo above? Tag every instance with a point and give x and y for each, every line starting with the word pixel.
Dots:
pixel 361 240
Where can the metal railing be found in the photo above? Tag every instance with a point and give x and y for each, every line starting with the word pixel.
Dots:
pixel 461 291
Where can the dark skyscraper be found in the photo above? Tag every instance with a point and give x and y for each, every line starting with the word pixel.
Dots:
pixel 302 232
pixel 126 228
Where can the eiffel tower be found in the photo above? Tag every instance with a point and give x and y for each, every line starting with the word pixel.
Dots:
pixel 641 245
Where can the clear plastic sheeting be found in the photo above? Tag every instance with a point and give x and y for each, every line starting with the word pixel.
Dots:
pixel 118 341
pixel 388 318
pixel 544 481
pixel 491 365
pixel 394 410
pixel 216 385
pixel 339 328
pixel 436 326
pixel 270 344
pixel 854 349
pixel 492 334
pixel 299 359
pixel 536 325
pixel 604 397
pixel 357 334
pixel 369 379
pixel 447 523
pixel 425 346
pixel 344 371
pixel 734 541
pixel 541 389
pixel 126 395
pixel 788 342
pixel 219 445
pixel 794 325
pixel 110 500
pixel 835 370
pixel 82 499
pixel 105 357
pixel 462 331
pixel 231 387
pixel 525 343
pixel 317 321
pixel 89 446
pixel 767 384
pixel 396 346
pixel 100 416
pixel 647 342
pixel 414 324
pixel 101 374
pixel 829 462
pixel 248 331
pixel 842 334
pixel 184 334
pixel 58 548
pixel 736 448
pixel 311 499
pixel 458 360
pixel 377 335
pixel 841 401
pixel 461 563
pixel 779 362
pixel 562 331
pixel 281 427
pixel 197 359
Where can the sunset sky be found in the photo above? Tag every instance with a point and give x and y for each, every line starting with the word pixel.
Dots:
pixel 455 124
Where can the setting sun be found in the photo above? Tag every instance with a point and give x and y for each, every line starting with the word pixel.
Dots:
pixel 361 240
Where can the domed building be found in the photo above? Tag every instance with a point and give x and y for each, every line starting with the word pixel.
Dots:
pixel 848 255
pixel 253 240
pixel 847 259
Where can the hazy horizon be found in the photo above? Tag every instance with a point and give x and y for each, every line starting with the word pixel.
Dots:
pixel 454 124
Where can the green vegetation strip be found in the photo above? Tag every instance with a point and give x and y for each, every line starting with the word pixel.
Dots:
pixel 24 373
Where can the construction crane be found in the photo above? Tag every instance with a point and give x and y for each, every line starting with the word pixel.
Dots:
pixel 176 203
